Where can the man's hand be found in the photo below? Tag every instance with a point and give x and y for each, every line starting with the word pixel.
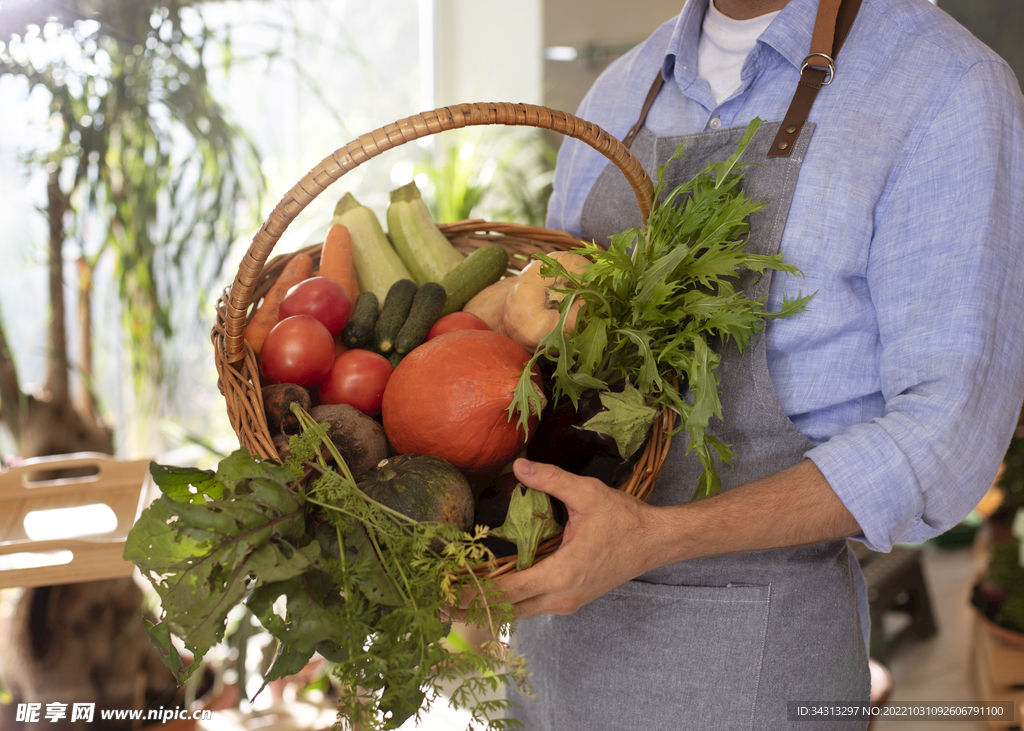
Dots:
pixel 603 544
pixel 612 537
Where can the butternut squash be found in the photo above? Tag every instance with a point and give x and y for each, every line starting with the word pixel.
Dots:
pixel 489 303
pixel 530 309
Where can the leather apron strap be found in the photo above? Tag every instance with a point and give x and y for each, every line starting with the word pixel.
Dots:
pixel 655 88
pixel 831 26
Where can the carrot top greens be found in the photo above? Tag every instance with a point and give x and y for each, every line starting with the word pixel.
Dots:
pixel 324 569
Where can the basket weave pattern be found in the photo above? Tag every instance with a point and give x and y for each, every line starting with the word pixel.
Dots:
pixel 237 367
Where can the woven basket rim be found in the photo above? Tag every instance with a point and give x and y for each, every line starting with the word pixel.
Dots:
pixel 368 146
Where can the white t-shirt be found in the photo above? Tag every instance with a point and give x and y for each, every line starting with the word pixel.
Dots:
pixel 723 47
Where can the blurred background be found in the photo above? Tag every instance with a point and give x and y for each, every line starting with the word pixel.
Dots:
pixel 142 143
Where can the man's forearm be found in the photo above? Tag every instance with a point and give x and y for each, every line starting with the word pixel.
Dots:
pixel 612 537
pixel 792 507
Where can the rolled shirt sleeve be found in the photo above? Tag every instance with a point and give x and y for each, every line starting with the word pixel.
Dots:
pixel 946 278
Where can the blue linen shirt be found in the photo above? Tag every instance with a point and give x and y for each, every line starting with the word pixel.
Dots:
pixel 907 372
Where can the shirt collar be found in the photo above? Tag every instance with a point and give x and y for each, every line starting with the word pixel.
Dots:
pixel 789 34
pixel 681 56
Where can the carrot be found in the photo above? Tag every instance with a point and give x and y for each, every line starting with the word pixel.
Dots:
pixel 336 260
pixel 263 320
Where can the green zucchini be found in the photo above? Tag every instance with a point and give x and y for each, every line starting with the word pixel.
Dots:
pixel 377 264
pixel 480 269
pixel 427 306
pixel 424 250
pixel 358 332
pixel 393 314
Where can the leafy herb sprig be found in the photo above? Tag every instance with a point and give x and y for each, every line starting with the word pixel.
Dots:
pixel 324 569
pixel 658 302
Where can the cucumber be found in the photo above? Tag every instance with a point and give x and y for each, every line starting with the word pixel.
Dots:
pixel 377 264
pixel 424 250
pixel 426 308
pixel 480 269
pixel 393 314
pixel 358 332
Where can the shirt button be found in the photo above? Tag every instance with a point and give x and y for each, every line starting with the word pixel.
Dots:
pixel 715 123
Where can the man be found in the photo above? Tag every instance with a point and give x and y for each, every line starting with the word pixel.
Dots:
pixel 881 413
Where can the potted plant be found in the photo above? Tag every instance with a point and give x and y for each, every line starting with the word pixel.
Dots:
pixel 998 595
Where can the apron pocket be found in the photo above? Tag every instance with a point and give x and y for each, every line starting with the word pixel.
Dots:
pixel 651 656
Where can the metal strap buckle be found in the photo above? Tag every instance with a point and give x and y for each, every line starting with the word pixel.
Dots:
pixel 831 71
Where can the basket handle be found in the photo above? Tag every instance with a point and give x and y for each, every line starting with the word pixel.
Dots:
pixel 398 133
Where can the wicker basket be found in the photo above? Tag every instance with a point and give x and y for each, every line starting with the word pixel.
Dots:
pixel 237 367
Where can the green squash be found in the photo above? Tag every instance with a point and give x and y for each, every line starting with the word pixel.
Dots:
pixel 426 489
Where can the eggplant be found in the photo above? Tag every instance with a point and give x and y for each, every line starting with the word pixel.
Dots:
pixel 561 440
pixel 492 507
pixel 493 499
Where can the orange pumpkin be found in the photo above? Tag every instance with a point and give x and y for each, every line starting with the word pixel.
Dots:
pixel 450 396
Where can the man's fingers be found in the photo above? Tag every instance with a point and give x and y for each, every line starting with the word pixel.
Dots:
pixel 519 585
pixel 548 478
pixel 541 590
pixel 532 607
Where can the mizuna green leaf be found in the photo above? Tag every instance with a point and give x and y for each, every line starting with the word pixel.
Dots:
pixel 659 301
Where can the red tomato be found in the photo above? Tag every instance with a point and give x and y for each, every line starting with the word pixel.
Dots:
pixel 357 378
pixel 319 297
pixel 298 349
pixel 456 321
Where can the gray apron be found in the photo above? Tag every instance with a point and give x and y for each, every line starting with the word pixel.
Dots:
pixel 722 642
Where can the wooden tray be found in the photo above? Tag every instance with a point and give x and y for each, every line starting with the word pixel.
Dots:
pixel 68 482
